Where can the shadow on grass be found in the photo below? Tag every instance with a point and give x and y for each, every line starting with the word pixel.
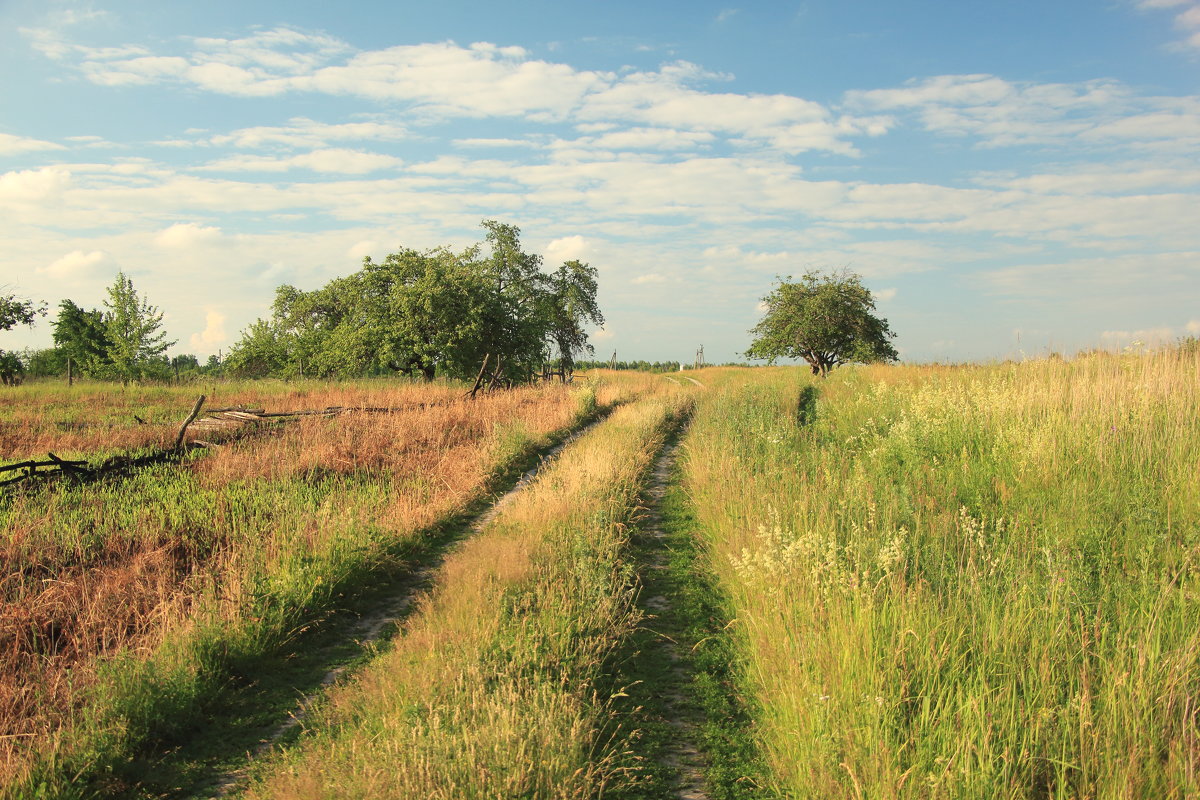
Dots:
pixel 806 406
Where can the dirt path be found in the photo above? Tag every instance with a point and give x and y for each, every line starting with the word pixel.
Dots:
pixel 679 753
pixel 388 610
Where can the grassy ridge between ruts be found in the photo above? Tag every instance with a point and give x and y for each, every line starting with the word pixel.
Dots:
pixel 977 582
pixel 155 589
pixel 489 689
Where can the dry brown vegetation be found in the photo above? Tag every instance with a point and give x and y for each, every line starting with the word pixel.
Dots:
pixel 90 417
pixel 244 539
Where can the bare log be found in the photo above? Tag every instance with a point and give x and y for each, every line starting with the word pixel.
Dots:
pixel 191 417
pixel 479 377
pixel 71 467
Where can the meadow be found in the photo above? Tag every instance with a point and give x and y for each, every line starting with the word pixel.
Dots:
pixel 972 582
pixel 968 581
pixel 127 601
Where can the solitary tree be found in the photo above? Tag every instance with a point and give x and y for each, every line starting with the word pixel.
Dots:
pixel 132 327
pixel 826 320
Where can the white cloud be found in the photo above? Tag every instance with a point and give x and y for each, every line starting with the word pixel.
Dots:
pixel 1187 19
pixel 361 249
pixel 484 142
pixel 652 139
pixel 603 334
pixel 567 248
pixel 213 336
pixel 1104 179
pixel 1193 327
pixel 1005 113
pixel 331 160
pixel 304 132
pixel 885 295
pixel 15 145
pixel 33 185
pixel 485 80
pixel 1116 277
pixel 77 265
pixel 187 235
pixel 1147 337
pixel 139 71
pixel 649 277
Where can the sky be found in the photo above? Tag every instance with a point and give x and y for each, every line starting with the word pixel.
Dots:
pixel 1009 178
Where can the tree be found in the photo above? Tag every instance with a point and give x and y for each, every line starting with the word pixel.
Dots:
pixel 132 325
pixel 516 322
pixel 428 313
pixel 16 311
pixel 572 301
pixel 826 320
pixel 260 352
pixel 429 310
pixel 83 337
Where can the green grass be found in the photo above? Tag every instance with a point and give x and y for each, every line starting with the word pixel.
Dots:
pixel 697 620
pixel 970 582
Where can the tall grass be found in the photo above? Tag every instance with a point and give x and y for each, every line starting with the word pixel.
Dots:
pixel 489 690
pixel 127 601
pixel 969 582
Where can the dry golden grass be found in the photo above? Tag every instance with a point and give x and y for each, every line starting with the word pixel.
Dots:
pixel 270 522
pixel 91 417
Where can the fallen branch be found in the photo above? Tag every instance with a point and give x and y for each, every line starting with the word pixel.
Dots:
pixel 192 416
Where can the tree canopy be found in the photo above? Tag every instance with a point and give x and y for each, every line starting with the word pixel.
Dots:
pixel 82 336
pixel 132 327
pixel 16 311
pixel 825 319
pixel 424 313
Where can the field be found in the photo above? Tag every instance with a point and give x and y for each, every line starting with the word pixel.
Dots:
pixel 947 582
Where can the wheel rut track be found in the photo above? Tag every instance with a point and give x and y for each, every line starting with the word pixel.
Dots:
pixel 681 755
pixel 385 616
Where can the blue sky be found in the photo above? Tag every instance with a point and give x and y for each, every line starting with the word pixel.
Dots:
pixel 1007 177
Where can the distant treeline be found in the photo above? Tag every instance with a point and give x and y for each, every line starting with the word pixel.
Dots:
pixel 489 310
pixel 648 366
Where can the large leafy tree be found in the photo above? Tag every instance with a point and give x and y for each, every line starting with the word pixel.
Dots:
pixel 136 342
pixel 572 305
pixel 413 313
pixel 424 313
pixel 825 319
pixel 429 310
pixel 16 311
pixel 516 324
pixel 83 337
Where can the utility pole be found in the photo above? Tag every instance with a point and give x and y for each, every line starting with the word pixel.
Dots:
pixel 700 357
pixel 612 362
